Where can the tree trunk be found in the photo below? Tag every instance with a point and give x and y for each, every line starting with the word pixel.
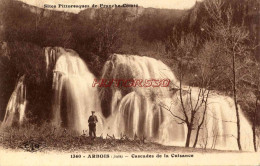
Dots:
pixel 254 126
pixel 198 129
pixel 184 111
pixel 238 124
pixel 197 136
pixel 188 136
pixel 235 101
pixel 254 137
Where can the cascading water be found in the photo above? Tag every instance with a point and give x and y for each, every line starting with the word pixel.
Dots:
pixel 219 129
pixel 74 96
pixel 15 110
pixel 141 111
pixel 133 110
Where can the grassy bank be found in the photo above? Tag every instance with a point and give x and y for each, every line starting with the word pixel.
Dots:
pixel 51 138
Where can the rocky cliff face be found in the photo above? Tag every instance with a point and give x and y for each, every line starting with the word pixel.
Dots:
pixel 90 13
pixel 249 9
pixel 44 12
pixel 135 12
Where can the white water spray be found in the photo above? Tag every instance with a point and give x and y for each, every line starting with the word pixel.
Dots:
pixel 74 96
pixel 134 110
pixel 15 110
pixel 142 112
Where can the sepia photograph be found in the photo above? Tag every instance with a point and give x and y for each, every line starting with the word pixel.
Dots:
pixel 129 82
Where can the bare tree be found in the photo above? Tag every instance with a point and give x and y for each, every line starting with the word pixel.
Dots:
pixel 207 77
pixel 233 38
pixel 202 118
pixel 256 106
pixel 250 93
pixel 188 111
pixel 192 100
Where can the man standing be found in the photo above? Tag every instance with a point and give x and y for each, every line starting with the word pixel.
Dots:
pixel 92 120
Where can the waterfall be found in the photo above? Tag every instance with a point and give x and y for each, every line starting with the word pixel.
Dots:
pixel 15 110
pixel 146 112
pixel 51 56
pixel 74 97
pixel 133 111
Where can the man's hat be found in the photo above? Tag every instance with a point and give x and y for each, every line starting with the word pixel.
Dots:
pixel 93 111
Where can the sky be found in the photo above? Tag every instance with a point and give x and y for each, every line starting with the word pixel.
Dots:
pixel 168 4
